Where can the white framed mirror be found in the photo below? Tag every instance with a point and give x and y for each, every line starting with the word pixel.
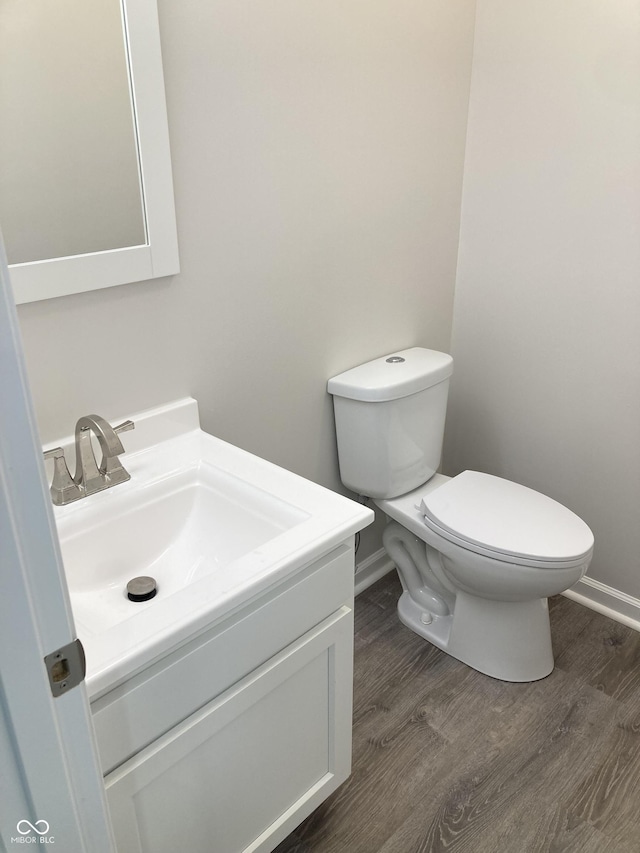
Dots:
pixel 86 192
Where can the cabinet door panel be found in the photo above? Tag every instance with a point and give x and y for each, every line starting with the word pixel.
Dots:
pixel 243 771
pixel 149 705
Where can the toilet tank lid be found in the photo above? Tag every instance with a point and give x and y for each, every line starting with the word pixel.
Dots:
pixel 393 376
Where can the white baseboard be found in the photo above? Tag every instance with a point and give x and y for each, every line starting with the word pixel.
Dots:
pixel 593 594
pixel 372 569
pixel 607 600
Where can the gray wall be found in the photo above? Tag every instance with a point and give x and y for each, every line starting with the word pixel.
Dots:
pixel 546 345
pixel 317 153
pixel 317 150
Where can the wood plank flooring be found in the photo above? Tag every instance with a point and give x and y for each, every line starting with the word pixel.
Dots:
pixel 447 759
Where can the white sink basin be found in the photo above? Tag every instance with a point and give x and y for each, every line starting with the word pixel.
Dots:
pixel 177 530
pixel 212 524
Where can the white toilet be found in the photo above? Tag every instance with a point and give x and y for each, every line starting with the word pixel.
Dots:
pixel 477 555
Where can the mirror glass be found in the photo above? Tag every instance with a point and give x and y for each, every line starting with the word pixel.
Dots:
pixel 69 179
pixel 85 177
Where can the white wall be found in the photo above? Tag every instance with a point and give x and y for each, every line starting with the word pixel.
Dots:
pixel 317 151
pixel 547 313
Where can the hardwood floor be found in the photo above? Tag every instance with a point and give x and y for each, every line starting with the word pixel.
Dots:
pixel 447 759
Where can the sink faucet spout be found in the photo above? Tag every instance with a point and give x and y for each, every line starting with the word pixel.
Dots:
pixel 89 477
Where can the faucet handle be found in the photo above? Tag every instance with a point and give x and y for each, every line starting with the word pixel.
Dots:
pixel 111 466
pixel 125 426
pixel 63 489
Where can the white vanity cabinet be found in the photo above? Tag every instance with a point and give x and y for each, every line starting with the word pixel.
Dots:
pixel 232 739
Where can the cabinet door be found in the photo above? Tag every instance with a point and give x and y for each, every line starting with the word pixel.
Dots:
pixel 242 772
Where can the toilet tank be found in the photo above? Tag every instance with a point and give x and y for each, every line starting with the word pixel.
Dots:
pixel 390 415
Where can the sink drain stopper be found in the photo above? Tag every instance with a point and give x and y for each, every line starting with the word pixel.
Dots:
pixel 141 588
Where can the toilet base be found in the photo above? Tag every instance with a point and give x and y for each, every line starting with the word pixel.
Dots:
pixel 509 640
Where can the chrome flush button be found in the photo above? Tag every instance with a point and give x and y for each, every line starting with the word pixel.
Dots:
pixel 394 359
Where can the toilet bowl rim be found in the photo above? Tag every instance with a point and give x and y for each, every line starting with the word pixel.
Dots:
pixel 405 509
pixel 444 540
pixel 494 516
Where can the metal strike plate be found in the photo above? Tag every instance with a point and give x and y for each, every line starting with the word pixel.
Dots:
pixel 66 667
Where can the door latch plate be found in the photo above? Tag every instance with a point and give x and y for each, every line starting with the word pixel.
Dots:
pixel 66 667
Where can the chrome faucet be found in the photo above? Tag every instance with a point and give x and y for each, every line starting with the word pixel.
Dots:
pixel 89 478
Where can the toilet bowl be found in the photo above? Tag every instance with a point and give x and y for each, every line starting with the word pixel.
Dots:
pixel 492 612
pixel 477 555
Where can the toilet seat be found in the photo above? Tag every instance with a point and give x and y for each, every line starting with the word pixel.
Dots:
pixel 506 521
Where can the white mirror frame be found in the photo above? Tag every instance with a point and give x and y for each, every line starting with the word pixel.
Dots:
pixel 159 256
